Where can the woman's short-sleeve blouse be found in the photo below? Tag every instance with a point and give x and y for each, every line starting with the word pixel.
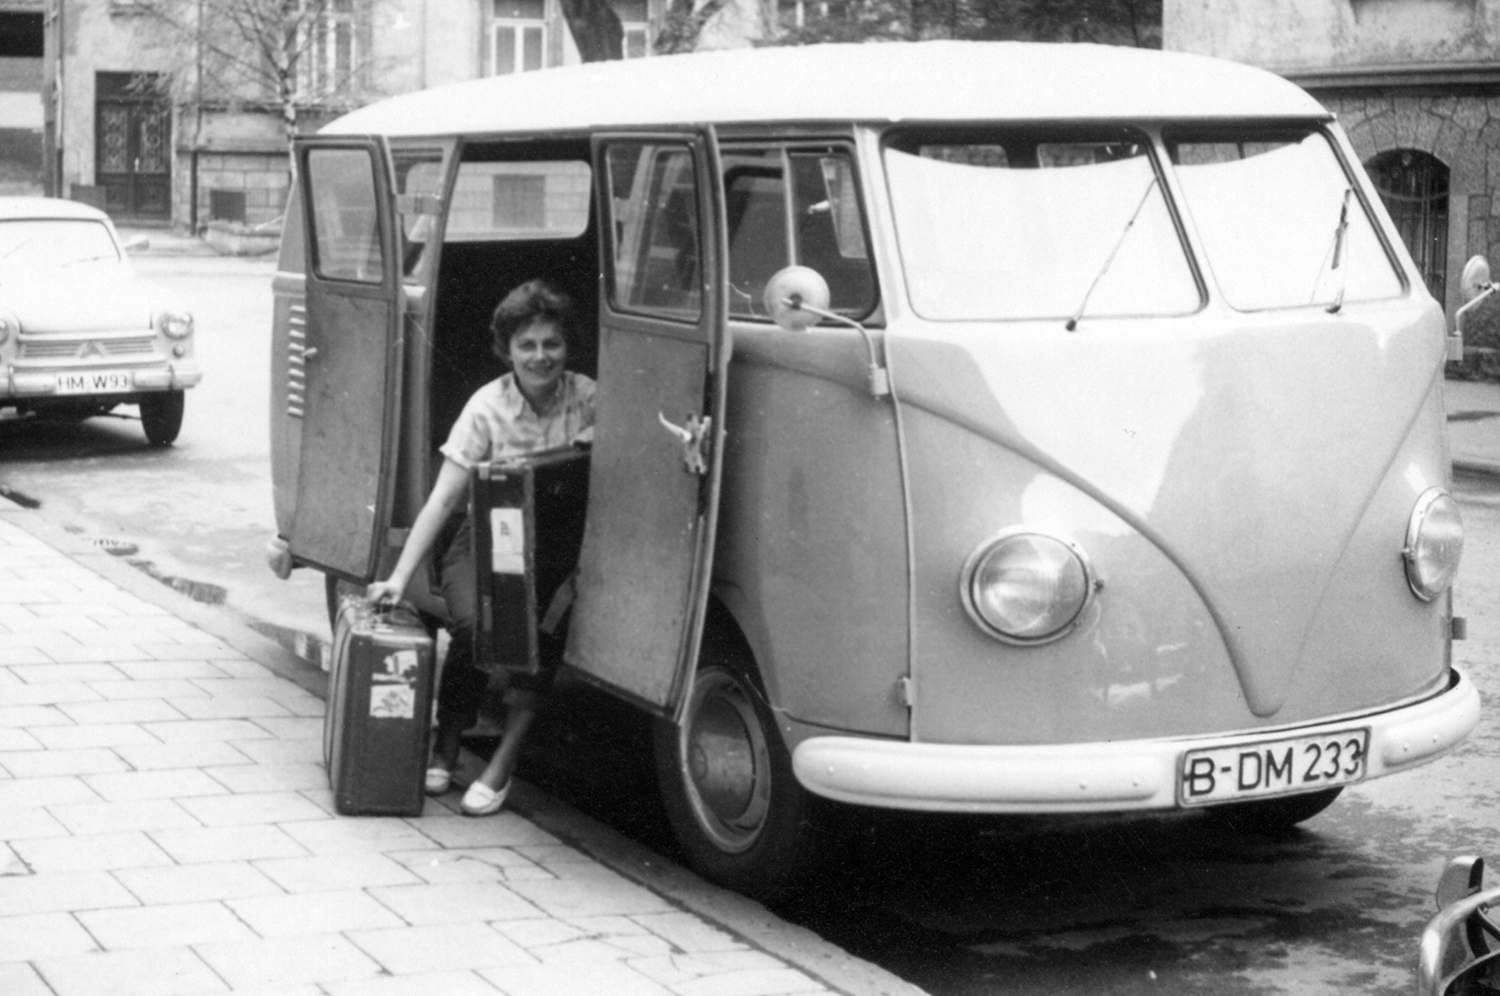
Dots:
pixel 497 423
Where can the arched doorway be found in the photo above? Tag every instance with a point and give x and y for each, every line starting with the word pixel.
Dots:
pixel 1414 187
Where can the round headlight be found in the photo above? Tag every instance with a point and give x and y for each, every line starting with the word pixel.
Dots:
pixel 1026 587
pixel 177 324
pixel 7 326
pixel 1434 544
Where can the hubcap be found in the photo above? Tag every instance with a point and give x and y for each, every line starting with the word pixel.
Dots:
pixel 726 761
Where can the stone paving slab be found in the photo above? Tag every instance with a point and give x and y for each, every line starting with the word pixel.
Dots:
pixel 166 829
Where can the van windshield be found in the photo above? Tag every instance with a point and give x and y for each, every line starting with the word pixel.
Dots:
pixel 1026 223
pixel 1280 221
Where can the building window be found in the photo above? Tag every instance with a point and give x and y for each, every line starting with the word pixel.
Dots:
pixel 636 21
pixel 1414 187
pixel 330 47
pixel 518 36
pixel 797 15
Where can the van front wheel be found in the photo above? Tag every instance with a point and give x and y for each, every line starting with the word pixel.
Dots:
pixel 726 780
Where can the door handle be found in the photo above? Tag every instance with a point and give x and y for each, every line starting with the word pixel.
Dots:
pixel 694 437
pixel 309 352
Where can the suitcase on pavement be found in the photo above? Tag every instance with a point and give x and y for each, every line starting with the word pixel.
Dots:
pixel 379 712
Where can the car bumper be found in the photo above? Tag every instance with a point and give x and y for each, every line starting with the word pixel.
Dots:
pixel 175 376
pixel 1097 777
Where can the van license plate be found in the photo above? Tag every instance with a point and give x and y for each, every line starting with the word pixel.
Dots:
pixel 1272 767
pixel 94 382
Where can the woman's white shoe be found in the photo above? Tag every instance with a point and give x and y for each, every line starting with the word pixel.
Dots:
pixel 481 800
pixel 438 780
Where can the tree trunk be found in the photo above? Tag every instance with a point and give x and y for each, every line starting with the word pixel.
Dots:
pixel 286 93
pixel 682 25
pixel 596 29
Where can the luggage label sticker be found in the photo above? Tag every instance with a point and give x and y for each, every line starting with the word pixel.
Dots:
pixel 507 541
pixel 393 692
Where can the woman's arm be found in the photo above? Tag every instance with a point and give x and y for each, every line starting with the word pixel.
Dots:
pixel 449 490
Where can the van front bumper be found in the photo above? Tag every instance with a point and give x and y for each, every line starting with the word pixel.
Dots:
pixel 1098 777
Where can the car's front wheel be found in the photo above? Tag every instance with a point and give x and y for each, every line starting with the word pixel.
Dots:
pixel 161 416
pixel 726 779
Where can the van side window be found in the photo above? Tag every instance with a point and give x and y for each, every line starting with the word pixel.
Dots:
pixel 654 226
pixel 419 186
pixel 812 219
pixel 346 229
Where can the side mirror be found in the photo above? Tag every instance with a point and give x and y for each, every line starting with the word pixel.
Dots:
pixel 1475 278
pixel 795 296
pixel 1462 878
pixel 136 243
pixel 1478 292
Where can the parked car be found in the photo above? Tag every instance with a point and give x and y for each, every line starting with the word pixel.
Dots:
pixel 1460 950
pixel 80 333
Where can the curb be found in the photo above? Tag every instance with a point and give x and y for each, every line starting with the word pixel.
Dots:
pixel 796 946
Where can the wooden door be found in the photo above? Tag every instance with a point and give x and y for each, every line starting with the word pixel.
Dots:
pixel 133 146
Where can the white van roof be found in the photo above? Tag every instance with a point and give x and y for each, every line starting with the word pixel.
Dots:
pixel 921 81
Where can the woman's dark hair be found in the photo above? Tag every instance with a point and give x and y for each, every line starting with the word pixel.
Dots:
pixel 532 300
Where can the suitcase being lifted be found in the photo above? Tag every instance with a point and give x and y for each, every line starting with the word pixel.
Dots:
pixel 375 731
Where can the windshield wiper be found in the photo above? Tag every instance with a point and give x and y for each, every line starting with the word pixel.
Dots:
pixel 1340 235
pixel 1110 259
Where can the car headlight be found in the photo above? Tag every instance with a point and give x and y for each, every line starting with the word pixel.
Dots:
pixel 8 327
pixel 177 324
pixel 1434 544
pixel 1026 587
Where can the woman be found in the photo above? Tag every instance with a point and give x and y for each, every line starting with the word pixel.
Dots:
pixel 538 405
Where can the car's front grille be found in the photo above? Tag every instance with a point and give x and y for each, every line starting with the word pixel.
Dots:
pixel 66 349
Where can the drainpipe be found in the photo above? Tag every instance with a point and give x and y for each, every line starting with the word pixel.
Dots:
pixel 193 191
pixel 62 102
pixel 197 122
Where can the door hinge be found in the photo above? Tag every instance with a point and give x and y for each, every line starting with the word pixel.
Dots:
pixel 906 691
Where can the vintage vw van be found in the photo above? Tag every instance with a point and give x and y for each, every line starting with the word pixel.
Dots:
pixel 982 427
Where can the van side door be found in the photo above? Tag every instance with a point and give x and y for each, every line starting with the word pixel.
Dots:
pixel 351 355
pixel 654 480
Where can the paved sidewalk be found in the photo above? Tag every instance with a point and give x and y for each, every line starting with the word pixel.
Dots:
pixel 167 241
pixel 166 829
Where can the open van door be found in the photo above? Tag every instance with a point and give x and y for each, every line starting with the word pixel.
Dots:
pixel 350 356
pixel 654 480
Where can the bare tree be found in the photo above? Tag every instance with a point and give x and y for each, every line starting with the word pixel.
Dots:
pixel 682 24
pixel 1116 22
pixel 287 56
pixel 596 29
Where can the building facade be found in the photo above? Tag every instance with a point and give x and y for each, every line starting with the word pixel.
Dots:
pixel 22 162
pixel 1415 84
pixel 141 122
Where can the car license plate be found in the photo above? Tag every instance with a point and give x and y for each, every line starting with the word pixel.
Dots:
pixel 94 382
pixel 1273 767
